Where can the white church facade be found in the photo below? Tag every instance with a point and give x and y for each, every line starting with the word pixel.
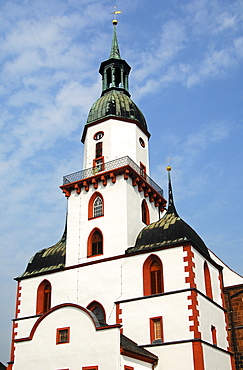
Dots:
pixel 130 285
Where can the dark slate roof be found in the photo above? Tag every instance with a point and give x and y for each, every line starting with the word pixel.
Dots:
pixel 48 259
pixel 2 367
pixel 169 230
pixel 128 345
pixel 115 103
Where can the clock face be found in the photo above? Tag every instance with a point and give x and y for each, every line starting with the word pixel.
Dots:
pixel 98 135
pixel 142 143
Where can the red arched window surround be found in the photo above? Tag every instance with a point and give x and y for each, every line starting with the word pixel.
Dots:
pixel 95 243
pixel 95 210
pixel 153 282
pixel 98 310
pixel 145 213
pixel 207 281
pixel 43 301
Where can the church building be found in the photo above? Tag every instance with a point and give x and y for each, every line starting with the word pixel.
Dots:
pixel 130 285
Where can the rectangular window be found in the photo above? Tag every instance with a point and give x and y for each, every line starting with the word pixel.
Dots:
pixel 214 335
pixel 156 330
pixel 63 335
pixel 98 165
pixel 142 170
pixel 98 150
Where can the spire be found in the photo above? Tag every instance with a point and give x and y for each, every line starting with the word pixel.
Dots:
pixel 171 206
pixel 115 53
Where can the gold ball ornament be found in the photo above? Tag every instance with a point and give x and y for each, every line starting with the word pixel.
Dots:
pixel 114 22
pixel 168 168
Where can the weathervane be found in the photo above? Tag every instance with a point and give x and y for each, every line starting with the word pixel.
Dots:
pixel 115 21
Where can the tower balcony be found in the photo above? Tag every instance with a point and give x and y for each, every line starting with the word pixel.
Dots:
pixel 102 172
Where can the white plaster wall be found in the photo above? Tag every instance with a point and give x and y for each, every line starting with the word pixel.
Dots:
pixel 87 346
pixel 214 275
pixel 174 357
pixel 210 315
pixel 120 224
pixel 174 310
pixel 136 364
pixel 230 277
pixel 215 360
pixel 120 139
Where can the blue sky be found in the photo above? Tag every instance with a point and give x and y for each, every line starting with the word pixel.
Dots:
pixel 186 58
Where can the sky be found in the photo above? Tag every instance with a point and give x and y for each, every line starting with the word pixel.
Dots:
pixel 186 58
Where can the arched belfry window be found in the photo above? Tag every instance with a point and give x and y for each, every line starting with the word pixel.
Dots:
pixel 207 281
pixel 96 206
pixel 43 302
pixel 145 213
pixel 98 311
pixel 153 276
pixel 95 243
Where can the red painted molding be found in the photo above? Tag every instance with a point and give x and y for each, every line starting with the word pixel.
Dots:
pixel 127 171
pixel 118 315
pixel 15 326
pixel 207 281
pixel 128 367
pixel 90 367
pixel 198 356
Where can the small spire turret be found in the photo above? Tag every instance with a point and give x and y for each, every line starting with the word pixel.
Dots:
pixel 171 205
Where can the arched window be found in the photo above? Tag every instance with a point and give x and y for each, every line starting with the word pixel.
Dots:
pixel 153 276
pixel 145 213
pixel 98 311
pixel 43 302
pixel 96 206
pixel 95 243
pixel 207 281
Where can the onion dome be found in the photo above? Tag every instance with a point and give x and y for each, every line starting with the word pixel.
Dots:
pixel 115 98
pixel 170 230
pixel 48 259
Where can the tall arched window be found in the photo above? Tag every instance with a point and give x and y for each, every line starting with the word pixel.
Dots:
pixel 98 311
pixel 95 243
pixel 207 281
pixel 145 213
pixel 96 206
pixel 43 302
pixel 153 276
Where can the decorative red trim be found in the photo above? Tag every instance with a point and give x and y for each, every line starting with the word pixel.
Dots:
pixel 128 367
pixel 198 355
pixel 89 243
pixel 146 274
pixel 91 205
pixel 194 318
pixel 151 325
pixel 118 315
pixel 37 323
pixel 90 367
pixel 207 280
pixel 15 326
pixel 58 335
pixel 117 119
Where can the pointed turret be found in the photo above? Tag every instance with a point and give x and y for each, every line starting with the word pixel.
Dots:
pixel 170 230
pixel 115 52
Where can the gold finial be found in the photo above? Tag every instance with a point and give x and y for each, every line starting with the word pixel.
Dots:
pixel 115 21
pixel 168 168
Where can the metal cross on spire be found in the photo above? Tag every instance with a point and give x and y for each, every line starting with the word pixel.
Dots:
pixel 115 21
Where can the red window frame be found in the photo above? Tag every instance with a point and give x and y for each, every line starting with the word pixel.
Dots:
pixel 90 246
pixel 128 367
pixel 145 213
pixel 43 299
pixel 90 367
pixel 153 334
pixel 97 167
pixel 91 205
pixel 207 280
pixel 142 170
pixel 214 335
pixel 149 276
pixel 58 341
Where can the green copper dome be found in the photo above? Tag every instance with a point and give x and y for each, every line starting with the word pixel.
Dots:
pixel 115 103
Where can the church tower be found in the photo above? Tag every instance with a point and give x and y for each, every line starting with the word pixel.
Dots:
pixel 129 285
